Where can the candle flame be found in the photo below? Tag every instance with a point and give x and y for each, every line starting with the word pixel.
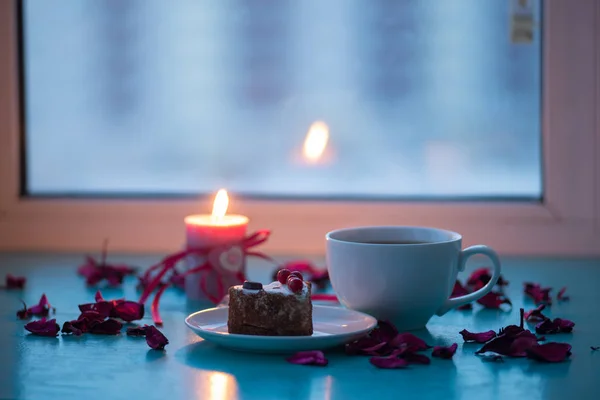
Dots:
pixel 316 141
pixel 220 204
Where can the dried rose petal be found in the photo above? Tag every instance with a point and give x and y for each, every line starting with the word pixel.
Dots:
pixel 479 337
pixel 561 294
pixel 536 315
pixel 76 327
pixel 128 311
pixel 384 332
pixel 102 307
pixel 98 296
pixel 389 362
pixel 155 338
pixel 520 344
pixel 538 294
pixel 493 300
pixel 42 308
pixel 415 358
pixel 480 277
pixel 24 312
pixel 137 330
pixel 91 316
pixel 43 327
pixel 459 290
pixel 412 342
pixel 313 357
pixel 549 352
pixel 558 325
pixel 365 346
pixel 97 271
pixel 444 351
pixel 15 282
pixel 108 327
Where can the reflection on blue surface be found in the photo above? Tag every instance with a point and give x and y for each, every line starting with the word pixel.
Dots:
pixel 422 97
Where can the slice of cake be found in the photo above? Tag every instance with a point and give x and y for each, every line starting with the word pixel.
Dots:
pixel 281 308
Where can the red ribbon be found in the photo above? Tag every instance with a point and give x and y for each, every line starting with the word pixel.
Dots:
pixel 171 261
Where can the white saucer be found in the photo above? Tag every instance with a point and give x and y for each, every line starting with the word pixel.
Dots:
pixel 333 326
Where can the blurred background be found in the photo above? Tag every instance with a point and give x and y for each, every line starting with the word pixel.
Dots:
pixel 281 98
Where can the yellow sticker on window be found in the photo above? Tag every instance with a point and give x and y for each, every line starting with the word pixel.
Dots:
pixel 521 21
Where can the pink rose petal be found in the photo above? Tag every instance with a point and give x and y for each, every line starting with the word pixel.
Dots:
pixel 558 325
pixel 478 337
pixel 15 282
pixel 416 358
pixel 137 330
pixel 364 346
pixel 128 311
pixel 459 290
pixel 494 300
pixel 536 315
pixel 550 352
pixel 108 327
pixel 538 294
pixel 389 362
pixel 444 351
pixel 313 357
pixel 411 341
pixel 43 327
pixel 42 308
pixel 384 332
pixel 520 344
pixel 155 338
pixel 102 307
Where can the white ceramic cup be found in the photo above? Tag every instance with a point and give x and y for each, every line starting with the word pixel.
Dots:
pixel 400 273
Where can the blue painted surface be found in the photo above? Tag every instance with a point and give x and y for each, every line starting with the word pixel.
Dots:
pixel 122 367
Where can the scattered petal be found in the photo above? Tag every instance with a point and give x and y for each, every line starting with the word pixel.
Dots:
pixel 480 277
pixel 444 351
pixel 24 312
pixel 389 362
pixel 494 300
pixel 76 327
pixel 128 310
pixel 412 342
pixel 108 327
pixel 137 330
pixel 479 337
pixel 97 271
pixel 538 294
pixel 536 315
pixel 102 307
pixel 365 346
pixel 155 338
pixel 416 358
pixel 459 290
pixel 314 357
pixel 42 309
pixel 98 296
pixel 43 327
pixel 15 282
pixel 384 332
pixel 558 325
pixel 520 344
pixel 561 294
pixel 91 316
pixel 549 352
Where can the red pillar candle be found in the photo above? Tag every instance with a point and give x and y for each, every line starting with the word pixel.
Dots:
pixel 204 230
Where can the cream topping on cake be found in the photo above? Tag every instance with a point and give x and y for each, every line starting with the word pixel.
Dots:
pixel 276 288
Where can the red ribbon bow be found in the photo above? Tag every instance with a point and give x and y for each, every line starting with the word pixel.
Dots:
pixel 211 262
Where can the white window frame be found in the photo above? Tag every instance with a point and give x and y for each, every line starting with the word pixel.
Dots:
pixel 566 222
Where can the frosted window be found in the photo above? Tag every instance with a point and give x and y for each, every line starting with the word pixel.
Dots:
pixel 417 98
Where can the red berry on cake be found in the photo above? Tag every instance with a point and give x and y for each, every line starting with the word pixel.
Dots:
pixel 297 274
pixel 283 275
pixel 295 284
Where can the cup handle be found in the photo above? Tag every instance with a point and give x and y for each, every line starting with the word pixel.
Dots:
pixel 462 261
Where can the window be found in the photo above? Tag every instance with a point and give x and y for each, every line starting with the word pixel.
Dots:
pixel 409 98
pixel 125 104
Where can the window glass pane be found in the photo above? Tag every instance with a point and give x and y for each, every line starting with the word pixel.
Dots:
pixel 422 98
